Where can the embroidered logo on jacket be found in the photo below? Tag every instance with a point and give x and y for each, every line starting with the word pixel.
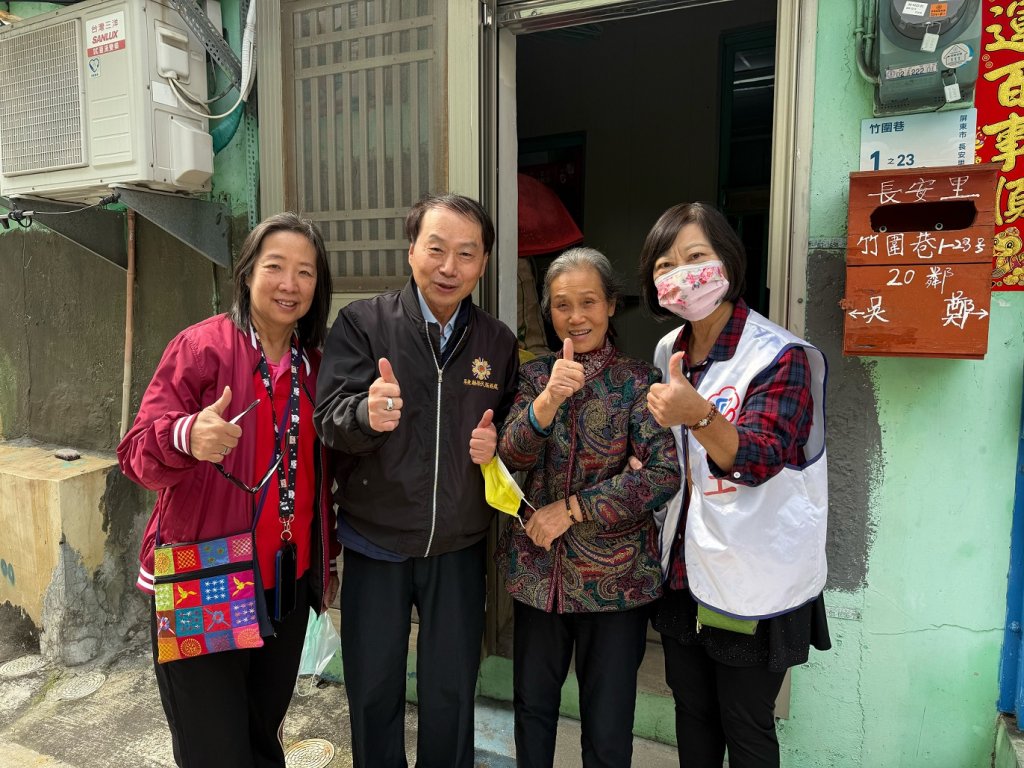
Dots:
pixel 481 370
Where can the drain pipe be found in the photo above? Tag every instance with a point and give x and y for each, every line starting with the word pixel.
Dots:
pixel 129 325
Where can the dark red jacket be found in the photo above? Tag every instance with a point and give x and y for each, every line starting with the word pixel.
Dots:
pixel 193 501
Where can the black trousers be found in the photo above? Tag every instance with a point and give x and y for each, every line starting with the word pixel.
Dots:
pixel 609 648
pixel 376 603
pixel 719 706
pixel 226 710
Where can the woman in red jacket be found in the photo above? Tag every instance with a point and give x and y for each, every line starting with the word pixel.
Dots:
pixel 215 477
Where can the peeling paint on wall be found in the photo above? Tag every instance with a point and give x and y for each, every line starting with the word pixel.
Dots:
pixel 87 612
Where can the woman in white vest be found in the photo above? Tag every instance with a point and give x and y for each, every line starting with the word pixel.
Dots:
pixel 743 542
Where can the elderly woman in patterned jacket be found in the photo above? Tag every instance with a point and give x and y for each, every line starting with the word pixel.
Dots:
pixel 584 569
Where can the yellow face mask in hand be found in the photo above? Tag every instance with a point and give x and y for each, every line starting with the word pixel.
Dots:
pixel 501 490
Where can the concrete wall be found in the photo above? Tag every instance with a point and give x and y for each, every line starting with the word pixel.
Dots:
pixel 61 362
pixel 68 527
pixel 922 455
pixel 62 330
pixel 62 315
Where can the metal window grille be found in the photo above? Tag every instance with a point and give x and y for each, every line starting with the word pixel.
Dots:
pixel 366 134
pixel 41 100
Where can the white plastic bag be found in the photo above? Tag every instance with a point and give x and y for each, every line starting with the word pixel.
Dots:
pixel 322 642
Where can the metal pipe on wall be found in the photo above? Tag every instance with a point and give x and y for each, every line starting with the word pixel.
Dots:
pixel 864 39
pixel 129 325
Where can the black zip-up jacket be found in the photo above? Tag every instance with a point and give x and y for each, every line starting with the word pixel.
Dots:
pixel 413 491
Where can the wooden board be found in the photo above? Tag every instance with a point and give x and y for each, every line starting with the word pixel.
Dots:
pixel 930 310
pixel 872 190
pixel 919 261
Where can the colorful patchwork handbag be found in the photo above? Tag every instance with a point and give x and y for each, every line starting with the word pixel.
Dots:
pixel 208 597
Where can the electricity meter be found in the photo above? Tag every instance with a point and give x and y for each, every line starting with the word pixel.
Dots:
pixel 927 54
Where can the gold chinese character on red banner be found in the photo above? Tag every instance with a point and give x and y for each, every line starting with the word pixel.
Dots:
pixel 999 98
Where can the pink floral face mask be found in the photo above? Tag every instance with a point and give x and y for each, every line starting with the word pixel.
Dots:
pixel 693 291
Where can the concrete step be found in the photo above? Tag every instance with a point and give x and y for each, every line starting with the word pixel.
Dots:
pixel 1009 752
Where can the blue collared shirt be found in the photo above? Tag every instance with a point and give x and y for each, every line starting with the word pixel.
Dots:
pixel 448 328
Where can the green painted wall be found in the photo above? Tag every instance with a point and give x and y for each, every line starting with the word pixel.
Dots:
pixel 912 678
pixel 233 176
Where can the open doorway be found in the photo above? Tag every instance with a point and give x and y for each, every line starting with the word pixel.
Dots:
pixel 622 118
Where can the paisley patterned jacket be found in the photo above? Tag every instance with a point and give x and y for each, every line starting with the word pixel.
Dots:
pixel 610 561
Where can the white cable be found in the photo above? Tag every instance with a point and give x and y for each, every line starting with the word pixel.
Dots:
pixel 177 87
pixel 204 102
pixel 185 93
pixel 248 71
pixel 248 51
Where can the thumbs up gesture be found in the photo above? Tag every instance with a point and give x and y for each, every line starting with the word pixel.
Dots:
pixel 676 402
pixel 566 376
pixel 484 439
pixel 384 405
pixel 212 438
pixel 566 380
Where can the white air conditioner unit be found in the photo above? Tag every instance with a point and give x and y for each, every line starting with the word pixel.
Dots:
pixel 83 103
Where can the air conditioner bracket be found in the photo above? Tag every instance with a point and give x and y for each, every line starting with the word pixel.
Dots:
pixel 200 224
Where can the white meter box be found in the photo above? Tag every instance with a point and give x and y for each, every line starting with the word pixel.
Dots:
pixel 83 104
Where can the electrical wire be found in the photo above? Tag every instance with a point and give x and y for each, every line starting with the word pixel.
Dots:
pixel 24 219
pixel 184 102
pixel 111 198
pixel 224 92
pixel 203 102
pixel 245 84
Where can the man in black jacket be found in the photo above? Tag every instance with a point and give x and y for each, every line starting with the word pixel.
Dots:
pixel 411 387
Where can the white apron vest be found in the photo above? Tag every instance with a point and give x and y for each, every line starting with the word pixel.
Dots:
pixel 755 552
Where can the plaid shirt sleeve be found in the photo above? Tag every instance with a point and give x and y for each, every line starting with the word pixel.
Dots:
pixel 774 423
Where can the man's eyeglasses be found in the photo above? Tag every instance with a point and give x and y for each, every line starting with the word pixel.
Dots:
pixel 250 489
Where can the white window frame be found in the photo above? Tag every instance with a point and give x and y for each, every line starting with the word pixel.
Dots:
pixel 789 216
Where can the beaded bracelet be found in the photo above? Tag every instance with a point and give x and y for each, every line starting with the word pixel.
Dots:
pixel 706 420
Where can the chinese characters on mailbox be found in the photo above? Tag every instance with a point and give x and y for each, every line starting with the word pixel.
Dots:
pixel 919 261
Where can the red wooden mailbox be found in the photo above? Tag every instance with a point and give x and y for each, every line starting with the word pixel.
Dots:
pixel 919 262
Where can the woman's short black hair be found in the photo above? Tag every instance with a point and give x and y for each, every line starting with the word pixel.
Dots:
pixel 464 206
pixel 721 237
pixel 312 327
